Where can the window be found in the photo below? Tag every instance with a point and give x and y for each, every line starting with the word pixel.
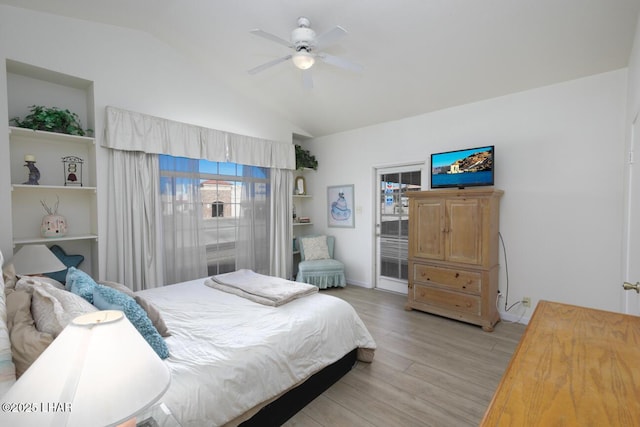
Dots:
pixel 215 189
pixel 217 209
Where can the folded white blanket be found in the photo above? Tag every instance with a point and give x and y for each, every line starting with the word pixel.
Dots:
pixel 267 290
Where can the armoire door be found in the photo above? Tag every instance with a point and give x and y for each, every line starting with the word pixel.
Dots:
pixel 463 231
pixel 428 237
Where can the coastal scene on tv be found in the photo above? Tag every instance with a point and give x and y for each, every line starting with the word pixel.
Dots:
pixel 462 168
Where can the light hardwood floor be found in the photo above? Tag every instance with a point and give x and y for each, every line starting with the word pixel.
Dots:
pixel 428 370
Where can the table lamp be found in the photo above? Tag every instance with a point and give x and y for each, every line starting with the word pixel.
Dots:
pixel 98 372
pixel 35 259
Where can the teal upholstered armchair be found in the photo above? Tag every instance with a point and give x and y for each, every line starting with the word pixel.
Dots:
pixel 317 266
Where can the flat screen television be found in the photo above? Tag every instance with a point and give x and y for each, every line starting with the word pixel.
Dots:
pixel 471 167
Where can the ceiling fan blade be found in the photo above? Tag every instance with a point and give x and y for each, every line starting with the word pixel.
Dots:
pixel 330 37
pixel 340 62
pixel 268 64
pixel 307 79
pixel 272 37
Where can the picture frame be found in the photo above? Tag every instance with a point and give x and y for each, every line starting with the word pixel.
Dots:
pixel 299 186
pixel 340 206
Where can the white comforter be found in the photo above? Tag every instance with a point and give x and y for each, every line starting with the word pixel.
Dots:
pixel 229 354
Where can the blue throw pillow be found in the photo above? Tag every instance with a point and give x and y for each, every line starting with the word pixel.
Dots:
pixel 106 298
pixel 68 260
pixel 80 283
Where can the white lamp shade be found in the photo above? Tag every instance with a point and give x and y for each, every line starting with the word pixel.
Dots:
pixel 36 259
pixel 303 59
pixel 99 371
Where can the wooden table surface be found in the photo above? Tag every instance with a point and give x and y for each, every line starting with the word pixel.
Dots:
pixel 574 366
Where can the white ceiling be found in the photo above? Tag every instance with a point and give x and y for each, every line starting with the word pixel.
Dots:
pixel 418 55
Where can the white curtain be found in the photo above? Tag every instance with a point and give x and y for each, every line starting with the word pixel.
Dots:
pixel 185 255
pixel 130 131
pixel 281 241
pixel 134 133
pixel 133 220
pixel 252 237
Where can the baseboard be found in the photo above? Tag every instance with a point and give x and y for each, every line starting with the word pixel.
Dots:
pixel 515 317
pixel 361 284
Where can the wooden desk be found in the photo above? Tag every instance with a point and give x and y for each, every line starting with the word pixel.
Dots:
pixel 574 366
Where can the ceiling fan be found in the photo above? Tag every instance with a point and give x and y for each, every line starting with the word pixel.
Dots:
pixel 307 47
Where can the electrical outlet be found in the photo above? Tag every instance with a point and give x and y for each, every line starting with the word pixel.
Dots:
pixel 526 301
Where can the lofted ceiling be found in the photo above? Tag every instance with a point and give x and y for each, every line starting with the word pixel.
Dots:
pixel 418 55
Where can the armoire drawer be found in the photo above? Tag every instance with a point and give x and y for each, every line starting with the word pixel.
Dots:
pixel 448 300
pixel 458 280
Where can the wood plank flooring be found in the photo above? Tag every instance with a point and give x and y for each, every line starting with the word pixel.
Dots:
pixel 428 370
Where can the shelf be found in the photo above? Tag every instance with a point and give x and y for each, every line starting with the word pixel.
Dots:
pixel 302 196
pixel 49 136
pixel 29 240
pixel 77 203
pixel 20 187
pixel 49 148
pixel 302 223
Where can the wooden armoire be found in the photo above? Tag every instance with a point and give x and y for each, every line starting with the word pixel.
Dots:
pixel 453 254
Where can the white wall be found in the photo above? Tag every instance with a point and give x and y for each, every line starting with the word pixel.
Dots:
pixel 559 159
pixel 130 70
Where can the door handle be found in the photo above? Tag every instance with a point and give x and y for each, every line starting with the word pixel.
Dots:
pixel 628 286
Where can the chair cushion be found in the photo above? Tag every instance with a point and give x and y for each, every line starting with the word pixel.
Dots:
pixel 321 265
pixel 323 273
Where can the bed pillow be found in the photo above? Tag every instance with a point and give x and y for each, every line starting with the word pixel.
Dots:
pixel 315 248
pixel 53 308
pixel 150 309
pixel 27 343
pixel 48 280
pixel 9 276
pixel 80 283
pixel 68 260
pixel 106 298
pixel 7 368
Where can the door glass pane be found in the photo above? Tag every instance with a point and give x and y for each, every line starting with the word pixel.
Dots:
pixel 394 222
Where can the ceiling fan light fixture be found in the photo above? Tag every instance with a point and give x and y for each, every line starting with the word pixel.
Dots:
pixel 303 59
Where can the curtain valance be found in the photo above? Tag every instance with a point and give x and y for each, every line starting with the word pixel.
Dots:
pixel 131 131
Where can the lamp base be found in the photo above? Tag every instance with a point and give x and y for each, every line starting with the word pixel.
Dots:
pixel 129 423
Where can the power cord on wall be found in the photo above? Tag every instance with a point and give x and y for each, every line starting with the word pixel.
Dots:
pixel 506 297
pixel 506 271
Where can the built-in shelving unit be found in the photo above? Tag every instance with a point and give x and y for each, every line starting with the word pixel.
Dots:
pixel 77 201
pixel 300 203
pixel 303 209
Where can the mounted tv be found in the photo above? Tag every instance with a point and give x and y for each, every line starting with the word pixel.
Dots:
pixel 471 167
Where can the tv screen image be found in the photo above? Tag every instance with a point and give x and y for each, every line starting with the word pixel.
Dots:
pixel 471 167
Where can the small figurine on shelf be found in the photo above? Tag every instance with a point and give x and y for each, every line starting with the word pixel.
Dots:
pixel 53 225
pixel 72 176
pixel 34 173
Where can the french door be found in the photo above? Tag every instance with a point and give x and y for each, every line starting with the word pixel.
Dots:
pixel 392 224
pixel 631 255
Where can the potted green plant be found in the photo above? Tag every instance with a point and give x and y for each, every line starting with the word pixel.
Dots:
pixel 51 119
pixel 304 159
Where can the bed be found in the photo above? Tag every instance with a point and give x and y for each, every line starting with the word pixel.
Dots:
pixel 237 362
